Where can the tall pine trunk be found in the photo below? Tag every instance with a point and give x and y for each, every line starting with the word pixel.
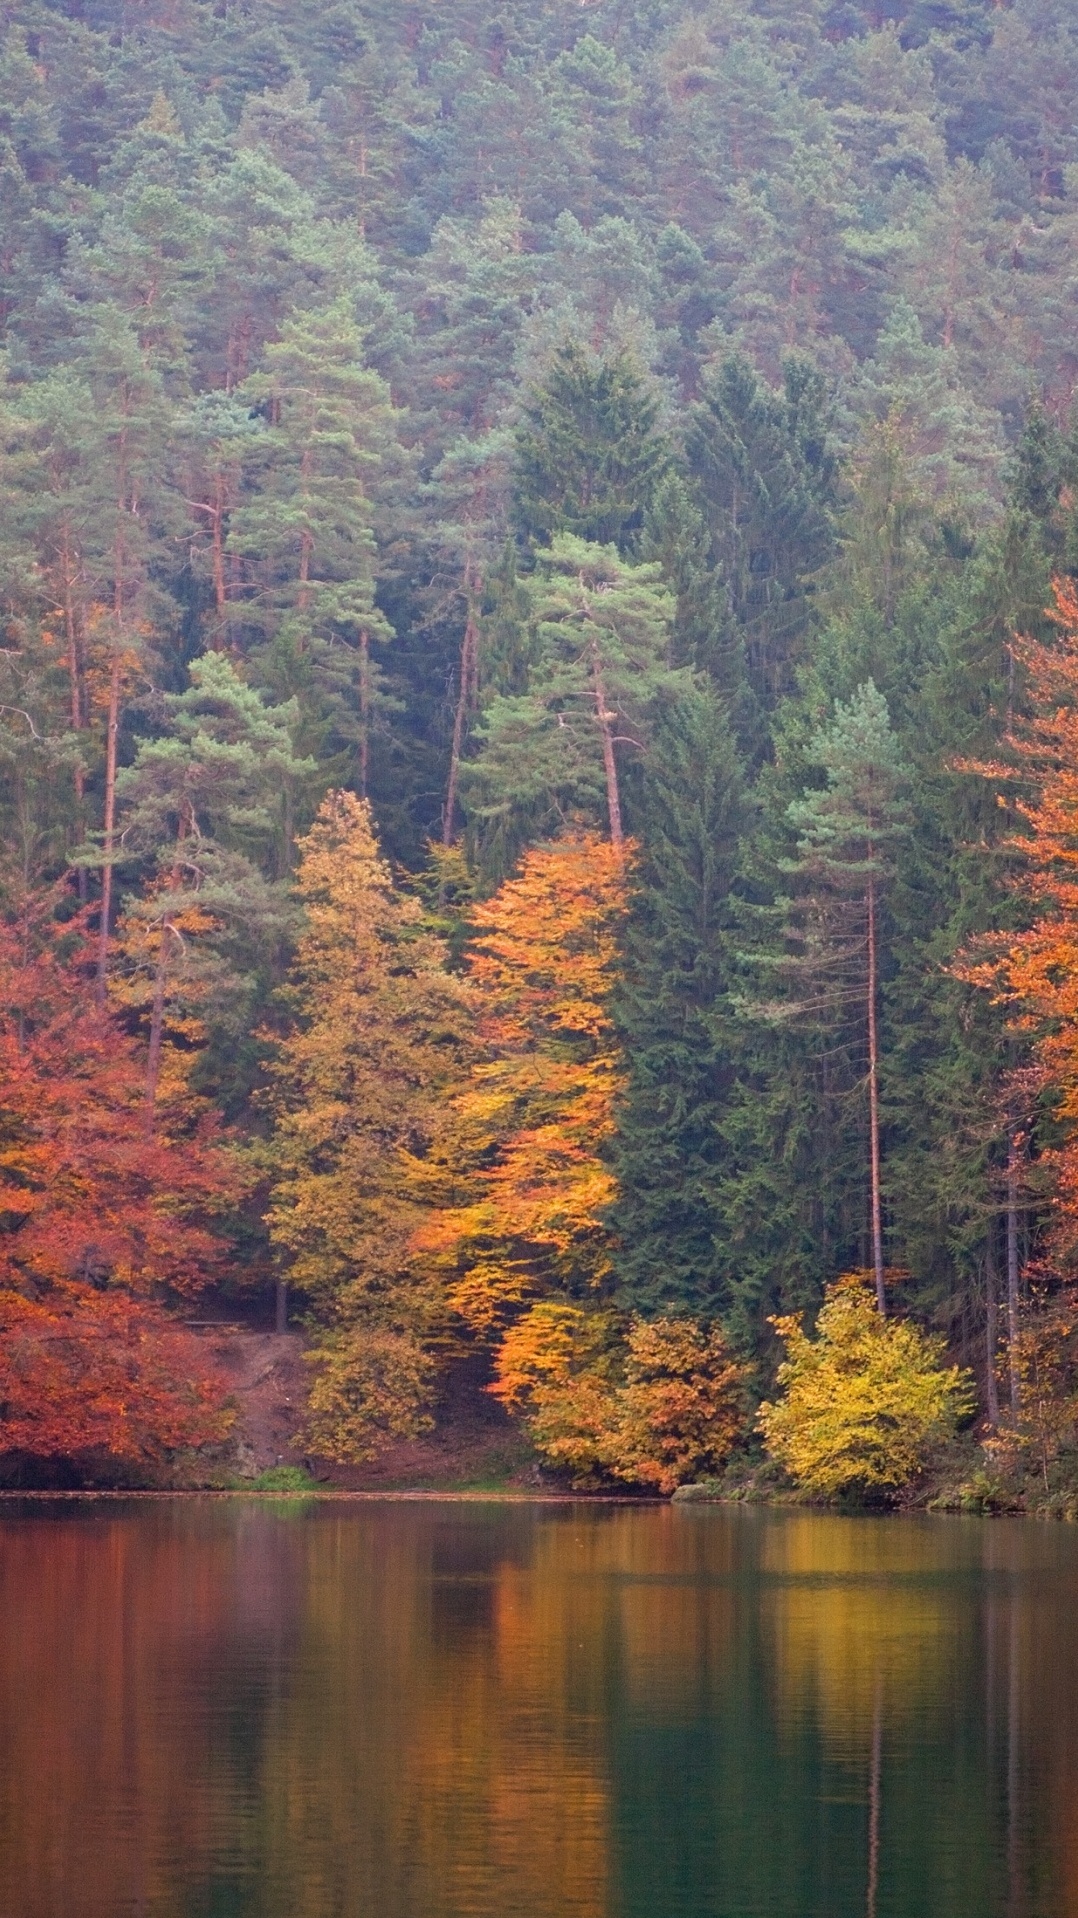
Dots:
pixel 157 1024
pixel 76 668
pixel 364 711
pixel 874 1104
pixel 467 692
pixel 111 737
pixel 991 1331
pixel 160 978
pixel 610 764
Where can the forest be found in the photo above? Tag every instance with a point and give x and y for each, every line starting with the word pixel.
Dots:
pixel 539 732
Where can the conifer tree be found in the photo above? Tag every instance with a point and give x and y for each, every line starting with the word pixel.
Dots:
pixel 599 675
pixel 766 479
pixel 589 451
pixel 207 802
pixel 305 526
pixel 525 1190
pixel 674 1016
pixel 846 839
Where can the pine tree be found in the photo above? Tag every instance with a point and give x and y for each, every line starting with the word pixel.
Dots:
pixel 599 676
pixel 208 803
pixel 305 525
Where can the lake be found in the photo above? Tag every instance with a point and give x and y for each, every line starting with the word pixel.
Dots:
pixel 249 1709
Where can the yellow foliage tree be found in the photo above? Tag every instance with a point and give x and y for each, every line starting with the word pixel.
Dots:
pixel 865 1400
pixel 652 1403
pixel 381 1040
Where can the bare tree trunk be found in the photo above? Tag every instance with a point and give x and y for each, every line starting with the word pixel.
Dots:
pixel 991 1333
pixel 306 541
pixel 157 1024
pixel 1012 1267
pixel 610 764
pixel 111 737
pixel 364 710
pixel 160 978
pixel 874 1106
pixel 281 1307
pixel 220 589
pixel 469 677
pixel 73 634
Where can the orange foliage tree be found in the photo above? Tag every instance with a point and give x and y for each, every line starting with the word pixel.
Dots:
pixel 652 1403
pixel 95 1220
pixel 521 1198
pixel 1034 973
pixel 520 1188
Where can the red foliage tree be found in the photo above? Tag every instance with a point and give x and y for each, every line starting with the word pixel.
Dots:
pixel 96 1221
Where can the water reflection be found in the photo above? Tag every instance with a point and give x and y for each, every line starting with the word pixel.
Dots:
pixel 425 1711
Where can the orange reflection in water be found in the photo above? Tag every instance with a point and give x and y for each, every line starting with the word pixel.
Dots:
pixel 211 1710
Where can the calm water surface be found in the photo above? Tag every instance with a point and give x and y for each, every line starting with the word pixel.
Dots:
pixel 230 1709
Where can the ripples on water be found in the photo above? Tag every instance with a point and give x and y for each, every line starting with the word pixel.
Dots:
pixel 222 1709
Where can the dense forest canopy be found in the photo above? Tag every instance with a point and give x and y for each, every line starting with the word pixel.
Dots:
pixel 526 549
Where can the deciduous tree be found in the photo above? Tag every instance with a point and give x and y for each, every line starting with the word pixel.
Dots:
pixel 864 1400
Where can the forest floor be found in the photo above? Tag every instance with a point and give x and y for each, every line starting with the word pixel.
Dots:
pixel 474 1445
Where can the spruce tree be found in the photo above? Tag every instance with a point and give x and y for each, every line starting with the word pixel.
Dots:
pixel 589 452
pixel 766 480
pixel 846 838
pixel 204 805
pixel 674 1015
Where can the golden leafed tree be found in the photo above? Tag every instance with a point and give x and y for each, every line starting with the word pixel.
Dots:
pixel 379 1043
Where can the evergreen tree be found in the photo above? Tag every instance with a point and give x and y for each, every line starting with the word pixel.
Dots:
pixel 589 451
pixel 206 805
pixel 305 526
pixel 598 677
pixel 766 480
pixel 846 836
pixel 674 1017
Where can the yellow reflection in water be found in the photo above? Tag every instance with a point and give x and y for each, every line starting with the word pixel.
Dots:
pixel 855 1622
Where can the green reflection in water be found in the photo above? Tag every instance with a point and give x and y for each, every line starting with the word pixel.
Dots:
pixel 401 1710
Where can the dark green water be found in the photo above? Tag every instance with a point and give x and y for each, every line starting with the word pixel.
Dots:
pixel 418 1710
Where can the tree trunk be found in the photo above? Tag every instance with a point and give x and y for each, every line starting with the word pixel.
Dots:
pixel 364 711
pixel 306 538
pixel 111 736
pixel 160 980
pixel 469 676
pixel 281 1307
pixel 991 1333
pixel 1012 1268
pixel 73 634
pixel 157 1024
pixel 220 589
pixel 874 1105
pixel 610 764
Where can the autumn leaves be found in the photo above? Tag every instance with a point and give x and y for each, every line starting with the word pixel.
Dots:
pixel 441 1173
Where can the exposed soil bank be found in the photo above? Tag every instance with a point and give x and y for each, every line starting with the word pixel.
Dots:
pixel 473 1442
